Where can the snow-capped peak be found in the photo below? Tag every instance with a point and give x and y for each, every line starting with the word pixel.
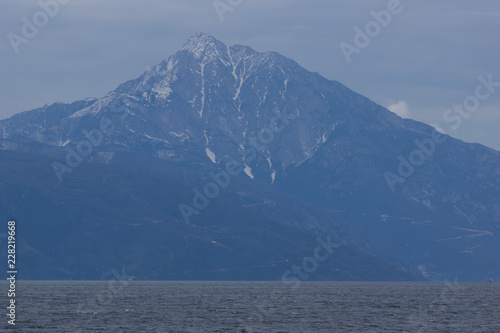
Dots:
pixel 202 45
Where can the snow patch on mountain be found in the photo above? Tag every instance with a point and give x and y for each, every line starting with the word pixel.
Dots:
pixel 63 144
pixel 204 47
pixel 155 139
pixel 202 72
pixel 211 155
pixel 248 171
pixel 163 91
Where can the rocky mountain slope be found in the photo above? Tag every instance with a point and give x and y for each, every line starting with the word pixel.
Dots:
pixel 278 143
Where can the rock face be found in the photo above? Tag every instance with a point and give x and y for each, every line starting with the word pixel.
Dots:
pixel 314 158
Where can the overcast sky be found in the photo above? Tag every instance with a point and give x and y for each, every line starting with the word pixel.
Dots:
pixel 427 59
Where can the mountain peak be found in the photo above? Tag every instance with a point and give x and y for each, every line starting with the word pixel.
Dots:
pixel 201 45
pixel 201 36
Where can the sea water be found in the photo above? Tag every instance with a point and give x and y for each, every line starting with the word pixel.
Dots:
pixel 132 306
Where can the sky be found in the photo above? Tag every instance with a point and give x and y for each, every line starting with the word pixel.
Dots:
pixel 422 59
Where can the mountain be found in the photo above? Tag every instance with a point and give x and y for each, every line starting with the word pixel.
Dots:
pixel 254 147
pixel 107 218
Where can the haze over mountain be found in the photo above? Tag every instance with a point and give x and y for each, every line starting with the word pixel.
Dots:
pixel 277 156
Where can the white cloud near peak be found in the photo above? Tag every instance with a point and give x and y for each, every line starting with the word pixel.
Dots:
pixel 400 108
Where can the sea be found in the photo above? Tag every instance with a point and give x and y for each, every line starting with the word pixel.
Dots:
pixel 268 307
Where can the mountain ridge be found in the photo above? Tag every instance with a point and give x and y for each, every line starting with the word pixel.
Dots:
pixel 209 104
